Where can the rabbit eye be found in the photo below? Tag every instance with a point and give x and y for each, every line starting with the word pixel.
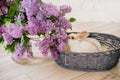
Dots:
pixel 72 37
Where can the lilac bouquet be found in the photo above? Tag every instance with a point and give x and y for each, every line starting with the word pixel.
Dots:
pixel 36 18
pixel 12 34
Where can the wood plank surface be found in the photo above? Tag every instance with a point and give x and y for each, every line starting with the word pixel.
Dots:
pixel 41 68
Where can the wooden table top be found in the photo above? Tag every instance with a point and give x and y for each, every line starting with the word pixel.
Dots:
pixel 46 69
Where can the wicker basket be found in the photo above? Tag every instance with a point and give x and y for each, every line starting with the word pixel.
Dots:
pixel 93 61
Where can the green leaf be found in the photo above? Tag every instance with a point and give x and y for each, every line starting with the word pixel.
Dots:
pixel 25 20
pixel 1 40
pixel 52 18
pixel 52 32
pixel 26 32
pixel 1 23
pixel 25 40
pixel 2 20
pixel 72 19
pixel 18 22
pixel 11 48
pixel 7 20
pixel 8 24
pixel 41 1
pixel 43 34
pixel 39 34
pixel 17 2
pixel 14 9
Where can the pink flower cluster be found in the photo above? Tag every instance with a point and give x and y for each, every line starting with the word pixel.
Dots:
pixel 39 18
pixel 20 52
pixel 9 34
pixel 3 10
pixel 45 18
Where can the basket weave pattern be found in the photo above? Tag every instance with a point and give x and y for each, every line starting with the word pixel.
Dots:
pixel 93 61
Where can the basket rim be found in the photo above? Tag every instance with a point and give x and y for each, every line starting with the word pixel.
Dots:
pixel 102 52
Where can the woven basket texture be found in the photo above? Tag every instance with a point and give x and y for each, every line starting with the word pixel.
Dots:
pixel 99 61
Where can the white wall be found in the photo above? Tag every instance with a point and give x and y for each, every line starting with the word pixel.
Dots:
pixel 93 10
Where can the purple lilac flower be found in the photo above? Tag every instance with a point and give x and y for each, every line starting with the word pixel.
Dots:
pixel 16 31
pixel 8 39
pixel 28 6
pixel 30 55
pixel 47 26
pixel 3 29
pixel 0 30
pixel 54 44
pixel 32 30
pixel 39 22
pixel 20 17
pixel 61 46
pixel 61 38
pixel 43 45
pixel 33 26
pixel 39 16
pixel 63 23
pixel 65 9
pixel 62 35
pixel 19 52
pixel 49 10
pixel 4 10
pixel 43 48
pixel 33 21
pixel 24 5
pixel 54 53
pixel 2 2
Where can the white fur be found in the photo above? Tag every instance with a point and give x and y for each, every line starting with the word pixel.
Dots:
pixel 87 45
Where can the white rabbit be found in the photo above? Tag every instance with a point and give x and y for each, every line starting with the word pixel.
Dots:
pixel 80 43
pixel 74 45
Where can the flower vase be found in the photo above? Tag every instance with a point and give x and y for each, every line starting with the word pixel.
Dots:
pixel 25 57
pixel 23 61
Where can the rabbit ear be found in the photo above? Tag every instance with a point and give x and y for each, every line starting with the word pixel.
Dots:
pixel 82 35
